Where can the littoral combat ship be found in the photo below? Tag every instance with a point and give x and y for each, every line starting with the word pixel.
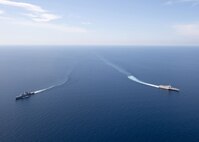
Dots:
pixel 168 87
pixel 25 95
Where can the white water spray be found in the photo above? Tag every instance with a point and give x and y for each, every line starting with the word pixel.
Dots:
pixel 129 75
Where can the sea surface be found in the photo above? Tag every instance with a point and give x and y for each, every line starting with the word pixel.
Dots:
pixel 85 94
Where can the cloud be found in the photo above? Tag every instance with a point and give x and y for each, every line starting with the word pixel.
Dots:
pixel 191 30
pixel 42 17
pixel 37 13
pixel 1 11
pixel 193 2
pixel 22 32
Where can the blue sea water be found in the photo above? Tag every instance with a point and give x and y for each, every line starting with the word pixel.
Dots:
pixel 98 103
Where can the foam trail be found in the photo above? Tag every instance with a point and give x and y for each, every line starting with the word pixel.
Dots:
pixel 115 67
pixel 48 88
pixel 129 75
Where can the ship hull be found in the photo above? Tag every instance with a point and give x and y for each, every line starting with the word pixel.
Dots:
pixel 21 97
pixel 24 96
pixel 169 88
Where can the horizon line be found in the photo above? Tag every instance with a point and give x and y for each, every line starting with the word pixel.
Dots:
pixel 10 45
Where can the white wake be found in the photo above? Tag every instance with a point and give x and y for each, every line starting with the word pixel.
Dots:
pixel 51 87
pixel 56 85
pixel 115 66
pixel 129 75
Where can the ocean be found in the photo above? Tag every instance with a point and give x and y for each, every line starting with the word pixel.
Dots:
pixel 86 94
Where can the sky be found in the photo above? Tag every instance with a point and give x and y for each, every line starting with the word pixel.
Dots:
pixel 99 22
